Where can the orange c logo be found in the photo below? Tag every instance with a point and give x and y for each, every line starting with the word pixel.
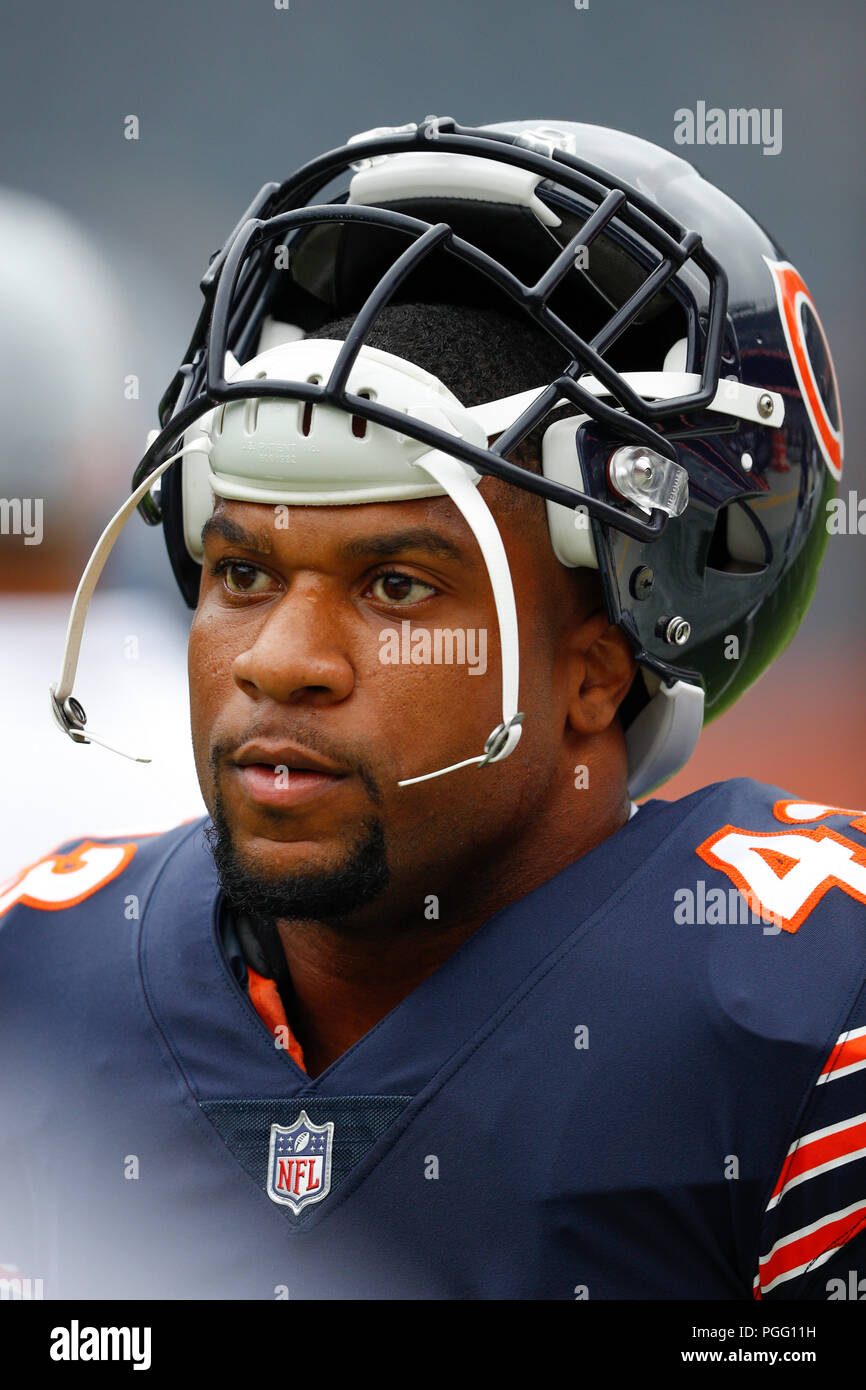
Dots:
pixel 811 359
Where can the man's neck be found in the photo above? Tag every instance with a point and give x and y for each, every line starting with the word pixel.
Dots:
pixel 346 977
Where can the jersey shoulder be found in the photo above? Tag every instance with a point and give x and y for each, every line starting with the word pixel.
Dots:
pixel 780 897
pixel 771 856
pixel 81 870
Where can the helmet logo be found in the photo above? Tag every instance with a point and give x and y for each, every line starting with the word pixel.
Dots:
pixel 811 359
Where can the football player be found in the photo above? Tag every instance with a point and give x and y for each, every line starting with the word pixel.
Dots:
pixel 497 464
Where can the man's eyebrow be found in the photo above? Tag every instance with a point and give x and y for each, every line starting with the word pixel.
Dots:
pixel 393 542
pixel 230 531
pixel 385 543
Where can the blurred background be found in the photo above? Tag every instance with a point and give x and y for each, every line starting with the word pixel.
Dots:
pixel 103 241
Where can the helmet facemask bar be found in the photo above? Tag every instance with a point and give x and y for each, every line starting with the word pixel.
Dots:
pixel 240 270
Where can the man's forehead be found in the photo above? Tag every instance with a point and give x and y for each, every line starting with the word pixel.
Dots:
pixel 349 532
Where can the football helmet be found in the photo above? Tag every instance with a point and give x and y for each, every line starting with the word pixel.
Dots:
pixel 704 436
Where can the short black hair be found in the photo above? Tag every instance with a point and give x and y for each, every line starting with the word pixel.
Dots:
pixel 480 354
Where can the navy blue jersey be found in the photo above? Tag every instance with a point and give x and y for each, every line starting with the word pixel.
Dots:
pixel 645 1079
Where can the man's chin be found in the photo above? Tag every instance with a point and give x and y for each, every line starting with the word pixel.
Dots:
pixel 282 878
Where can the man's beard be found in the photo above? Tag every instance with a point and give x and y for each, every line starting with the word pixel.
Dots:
pixel 321 897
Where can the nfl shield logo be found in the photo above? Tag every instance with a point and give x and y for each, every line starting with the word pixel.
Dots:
pixel 299 1163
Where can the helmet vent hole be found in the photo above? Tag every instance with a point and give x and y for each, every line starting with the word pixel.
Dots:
pixel 739 544
pixel 314 379
pixel 252 413
pixel 359 422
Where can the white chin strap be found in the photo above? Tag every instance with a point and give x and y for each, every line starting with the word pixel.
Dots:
pixel 67 711
pixel 451 476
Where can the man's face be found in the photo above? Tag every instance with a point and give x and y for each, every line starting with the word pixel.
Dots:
pixel 311 700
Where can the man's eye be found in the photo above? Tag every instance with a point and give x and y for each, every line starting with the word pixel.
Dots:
pixel 395 587
pixel 241 578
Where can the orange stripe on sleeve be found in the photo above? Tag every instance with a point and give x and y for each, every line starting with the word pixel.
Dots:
pixel 850 1051
pixel 797 1252
pixel 845 1141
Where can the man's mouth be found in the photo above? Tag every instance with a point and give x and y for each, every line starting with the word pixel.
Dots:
pixel 286 775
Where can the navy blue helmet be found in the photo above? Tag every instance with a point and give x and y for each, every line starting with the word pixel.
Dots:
pixel 701 437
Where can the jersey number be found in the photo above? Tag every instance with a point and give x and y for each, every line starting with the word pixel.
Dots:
pixel 62 880
pixel 782 874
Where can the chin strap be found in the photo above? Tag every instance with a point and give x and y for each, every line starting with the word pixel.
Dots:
pixel 452 477
pixel 69 712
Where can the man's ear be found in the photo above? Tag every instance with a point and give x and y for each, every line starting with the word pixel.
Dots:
pixel 601 668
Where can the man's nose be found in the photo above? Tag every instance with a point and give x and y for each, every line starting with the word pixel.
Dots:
pixel 298 653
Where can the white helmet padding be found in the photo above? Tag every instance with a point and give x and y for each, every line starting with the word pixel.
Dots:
pixel 277 451
pixel 662 737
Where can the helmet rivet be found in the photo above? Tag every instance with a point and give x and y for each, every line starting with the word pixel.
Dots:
pixel 74 711
pixel 676 630
pixel 649 479
pixel 641 582
pixel 642 471
pixel 765 405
